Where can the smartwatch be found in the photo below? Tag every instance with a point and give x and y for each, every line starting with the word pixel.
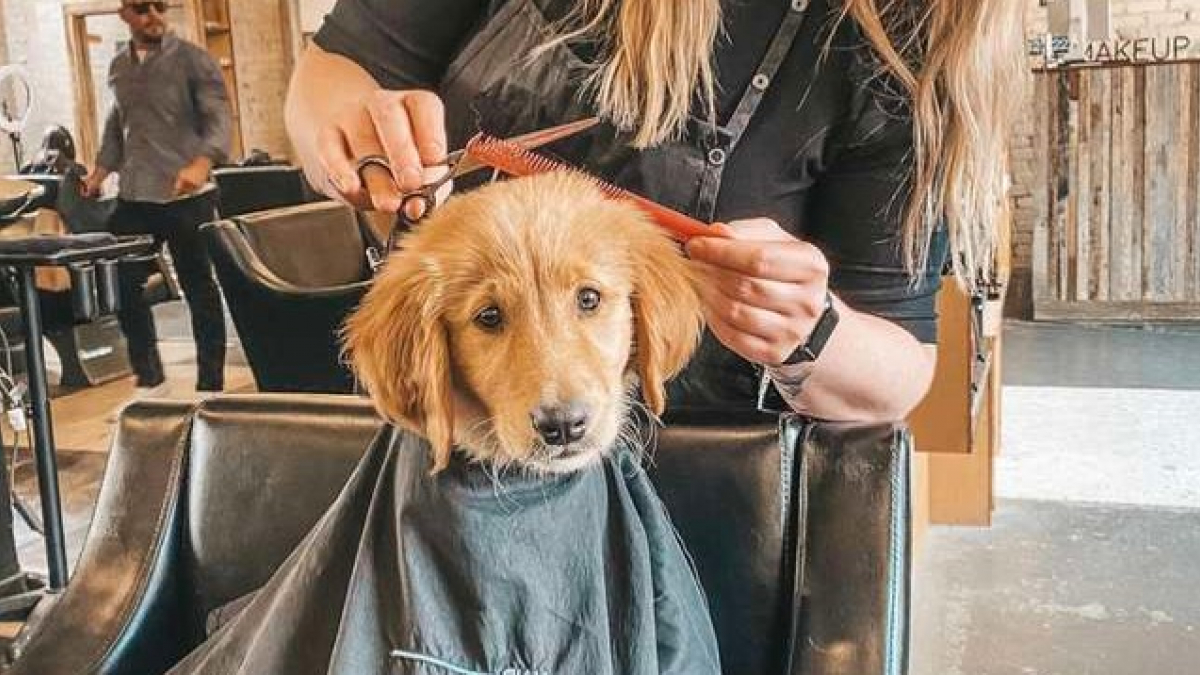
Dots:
pixel 811 349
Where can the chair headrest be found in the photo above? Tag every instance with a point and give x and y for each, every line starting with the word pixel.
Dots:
pixel 312 245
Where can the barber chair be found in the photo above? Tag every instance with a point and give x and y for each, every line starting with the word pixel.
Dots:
pixel 248 189
pixel 799 531
pixel 64 194
pixel 91 349
pixel 290 277
pixel 93 259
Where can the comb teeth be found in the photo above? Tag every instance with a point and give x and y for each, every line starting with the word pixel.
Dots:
pixel 515 160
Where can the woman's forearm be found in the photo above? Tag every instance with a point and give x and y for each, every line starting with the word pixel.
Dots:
pixel 322 86
pixel 871 370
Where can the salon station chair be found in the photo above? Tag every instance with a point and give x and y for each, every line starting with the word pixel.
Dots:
pixel 248 189
pixel 799 531
pixel 91 347
pixel 290 277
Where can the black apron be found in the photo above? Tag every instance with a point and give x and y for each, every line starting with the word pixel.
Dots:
pixel 491 85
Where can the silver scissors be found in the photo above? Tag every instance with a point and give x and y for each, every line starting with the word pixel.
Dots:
pixel 460 163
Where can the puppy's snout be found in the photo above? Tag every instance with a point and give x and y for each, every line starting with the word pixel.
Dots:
pixel 560 424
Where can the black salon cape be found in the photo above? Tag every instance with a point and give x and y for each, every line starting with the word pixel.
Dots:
pixel 453 575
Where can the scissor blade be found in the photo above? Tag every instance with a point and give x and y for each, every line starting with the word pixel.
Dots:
pixel 535 139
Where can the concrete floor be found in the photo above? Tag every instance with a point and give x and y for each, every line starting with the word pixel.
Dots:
pixel 1064 355
pixel 1090 567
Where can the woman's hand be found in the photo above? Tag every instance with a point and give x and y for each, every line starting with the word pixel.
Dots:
pixel 406 127
pixel 337 114
pixel 762 288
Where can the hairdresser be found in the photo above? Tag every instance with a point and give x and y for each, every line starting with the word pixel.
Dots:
pixel 846 147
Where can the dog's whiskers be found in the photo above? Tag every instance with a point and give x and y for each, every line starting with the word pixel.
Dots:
pixel 492 463
pixel 638 436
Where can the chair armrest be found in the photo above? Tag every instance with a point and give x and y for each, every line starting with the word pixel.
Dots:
pixel 853 617
pixel 109 619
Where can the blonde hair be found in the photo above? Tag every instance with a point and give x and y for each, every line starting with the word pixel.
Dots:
pixel 956 61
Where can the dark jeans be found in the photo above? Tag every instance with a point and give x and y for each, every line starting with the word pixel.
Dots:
pixel 178 225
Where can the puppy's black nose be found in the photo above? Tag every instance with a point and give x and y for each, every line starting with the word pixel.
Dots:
pixel 560 424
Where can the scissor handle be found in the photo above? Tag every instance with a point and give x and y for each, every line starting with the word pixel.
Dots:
pixel 425 197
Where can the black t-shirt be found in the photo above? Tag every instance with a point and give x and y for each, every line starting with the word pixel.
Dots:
pixel 828 154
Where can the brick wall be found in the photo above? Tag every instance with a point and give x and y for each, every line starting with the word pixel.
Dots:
pixel 1137 18
pixel 35 37
pixel 1130 19
pixel 312 13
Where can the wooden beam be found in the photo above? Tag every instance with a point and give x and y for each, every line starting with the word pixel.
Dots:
pixel 961 487
pixel 87 130
pixel 1118 312
pixel 942 422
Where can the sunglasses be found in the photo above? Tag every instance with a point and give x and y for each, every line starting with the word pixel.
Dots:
pixel 143 8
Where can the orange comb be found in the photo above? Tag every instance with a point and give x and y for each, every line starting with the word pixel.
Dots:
pixel 514 160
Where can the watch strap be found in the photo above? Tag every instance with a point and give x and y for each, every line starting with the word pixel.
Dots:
pixel 815 344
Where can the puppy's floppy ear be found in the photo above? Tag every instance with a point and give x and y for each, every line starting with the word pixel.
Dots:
pixel 667 315
pixel 397 346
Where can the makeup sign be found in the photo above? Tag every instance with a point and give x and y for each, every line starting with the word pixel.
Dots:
pixel 1139 50
pixel 1062 50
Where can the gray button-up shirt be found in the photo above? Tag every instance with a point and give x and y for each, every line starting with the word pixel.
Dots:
pixel 170 108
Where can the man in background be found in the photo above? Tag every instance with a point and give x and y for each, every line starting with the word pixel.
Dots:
pixel 170 122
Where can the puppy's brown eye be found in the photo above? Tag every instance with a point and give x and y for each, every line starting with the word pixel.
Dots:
pixel 588 299
pixel 489 318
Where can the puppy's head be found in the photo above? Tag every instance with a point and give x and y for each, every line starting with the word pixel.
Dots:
pixel 514 322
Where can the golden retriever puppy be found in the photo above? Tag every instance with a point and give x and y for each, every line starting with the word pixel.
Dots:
pixel 510 329
pixel 516 321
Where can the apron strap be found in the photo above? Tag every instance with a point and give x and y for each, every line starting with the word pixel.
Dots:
pixel 718 150
pixel 781 44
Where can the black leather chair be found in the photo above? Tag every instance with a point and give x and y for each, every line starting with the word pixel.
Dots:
pixel 799 531
pixel 91 349
pixel 290 277
pixel 63 193
pixel 248 189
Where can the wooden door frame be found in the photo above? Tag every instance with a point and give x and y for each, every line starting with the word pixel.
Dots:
pixel 75 16
pixel 293 37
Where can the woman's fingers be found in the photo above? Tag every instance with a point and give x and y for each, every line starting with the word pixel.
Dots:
pixel 753 229
pixel 748 345
pixel 760 248
pixel 341 181
pixel 363 141
pixel 428 118
pixel 405 129
pixel 782 297
pixel 411 126
pixel 393 134
pixel 763 289
pixel 789 261
pixel 789 324
pixel 340 148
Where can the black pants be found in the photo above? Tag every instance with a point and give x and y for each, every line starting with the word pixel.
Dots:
pixel 178 225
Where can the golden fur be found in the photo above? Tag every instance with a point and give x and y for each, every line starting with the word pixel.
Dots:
pixel 530 252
